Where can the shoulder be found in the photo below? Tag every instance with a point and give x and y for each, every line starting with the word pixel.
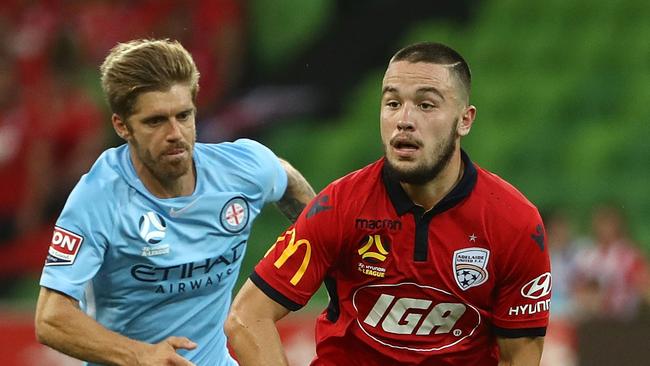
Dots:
pixel 106 175
pixel 245 164
pixel 348 194
pixel 505 206
pixel 358 182
pixel 98 196
pixel 103 183
pixel 242 150
pixel 243 156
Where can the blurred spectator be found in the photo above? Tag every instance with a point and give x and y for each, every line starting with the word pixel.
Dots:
pixel 563 250
pixel 560 341
pixel 613 278
pixel 50 131
pixel 213 31
pixel 22 157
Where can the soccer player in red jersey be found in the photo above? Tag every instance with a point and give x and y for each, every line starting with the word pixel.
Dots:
pixel 428 258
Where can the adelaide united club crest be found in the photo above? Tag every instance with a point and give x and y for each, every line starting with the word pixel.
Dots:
pixel 470 267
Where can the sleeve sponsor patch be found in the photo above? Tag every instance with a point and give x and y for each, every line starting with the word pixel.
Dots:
pixel 63 248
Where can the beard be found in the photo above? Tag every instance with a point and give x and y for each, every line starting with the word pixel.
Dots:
pixel 423 172
pixel 165 170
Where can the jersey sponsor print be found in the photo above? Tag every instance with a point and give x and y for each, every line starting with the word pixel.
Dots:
pixel 64 247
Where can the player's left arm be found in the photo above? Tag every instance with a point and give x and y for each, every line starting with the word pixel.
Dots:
pixel 524 351
pixel 297 195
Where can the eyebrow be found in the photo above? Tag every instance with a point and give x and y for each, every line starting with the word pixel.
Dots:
pixel 164 116
pixel 420 91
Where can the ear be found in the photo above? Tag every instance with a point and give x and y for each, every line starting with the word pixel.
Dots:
pixel 120 127
pixel 466 121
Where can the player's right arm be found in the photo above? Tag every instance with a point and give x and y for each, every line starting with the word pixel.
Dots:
pixel 251 328
pixel 284 280
pixel 61 325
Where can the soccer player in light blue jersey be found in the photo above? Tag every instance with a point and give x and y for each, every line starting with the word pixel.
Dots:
pixel 145 254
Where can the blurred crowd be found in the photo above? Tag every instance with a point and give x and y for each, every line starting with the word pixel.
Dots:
pixel 603 277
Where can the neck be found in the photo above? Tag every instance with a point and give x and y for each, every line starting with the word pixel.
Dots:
pixel 427 195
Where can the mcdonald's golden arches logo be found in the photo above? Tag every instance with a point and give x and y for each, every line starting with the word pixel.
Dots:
pixel 290 250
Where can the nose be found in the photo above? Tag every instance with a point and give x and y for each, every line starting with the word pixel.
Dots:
pixel 405 123
pixel 174 130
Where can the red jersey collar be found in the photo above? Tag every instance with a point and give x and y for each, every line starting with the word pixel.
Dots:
pixel 403 203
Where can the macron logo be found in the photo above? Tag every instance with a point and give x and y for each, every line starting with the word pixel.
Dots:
pixel 319 206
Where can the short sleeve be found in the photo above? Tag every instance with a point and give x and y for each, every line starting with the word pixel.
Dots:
pixel 264 168
pixel 523 290
pixel 79 241
pixel 295 266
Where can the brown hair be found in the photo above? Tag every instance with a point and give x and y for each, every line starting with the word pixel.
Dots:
pixel 145 65
pixel 438 53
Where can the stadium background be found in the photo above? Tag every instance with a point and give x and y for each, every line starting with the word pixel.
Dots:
pixel 562 90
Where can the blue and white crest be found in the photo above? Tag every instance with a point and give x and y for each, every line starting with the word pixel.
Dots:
pixel 234 215
pixel 470 267
pixel 152 227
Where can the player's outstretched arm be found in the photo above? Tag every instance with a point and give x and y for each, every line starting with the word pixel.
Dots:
pixel 523 351
pixel 297 195
pixel 251 328
pixel 60 324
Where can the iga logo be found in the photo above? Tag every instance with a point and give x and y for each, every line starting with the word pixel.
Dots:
pixel 539 287
pixel 152 227
pixel 414 317
pixel 63 248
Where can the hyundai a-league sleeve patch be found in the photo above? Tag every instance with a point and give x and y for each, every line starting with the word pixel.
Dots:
pixel 64 247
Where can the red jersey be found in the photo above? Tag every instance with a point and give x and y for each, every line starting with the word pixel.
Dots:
pixel 412 287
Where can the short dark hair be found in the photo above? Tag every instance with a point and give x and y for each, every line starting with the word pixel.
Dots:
pixel 439 54
pixel 145 65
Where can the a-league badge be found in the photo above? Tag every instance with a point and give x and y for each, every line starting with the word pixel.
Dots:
pixel 470 267
pixel 234 215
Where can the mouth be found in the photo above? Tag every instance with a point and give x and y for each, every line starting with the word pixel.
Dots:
pixel 176 152
pixel 405 147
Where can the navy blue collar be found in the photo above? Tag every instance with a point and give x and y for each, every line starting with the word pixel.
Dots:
pixel 403 203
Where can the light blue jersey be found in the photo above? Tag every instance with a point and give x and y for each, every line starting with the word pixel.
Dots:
pixel 150 268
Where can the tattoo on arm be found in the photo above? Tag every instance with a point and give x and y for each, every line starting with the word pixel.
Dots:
pixel 291 207
pixel 297 195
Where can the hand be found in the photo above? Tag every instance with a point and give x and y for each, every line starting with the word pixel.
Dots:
pixel 164 353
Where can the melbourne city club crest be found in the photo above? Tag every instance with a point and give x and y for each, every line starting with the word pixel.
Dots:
pixel 470 267
pixel 234 215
